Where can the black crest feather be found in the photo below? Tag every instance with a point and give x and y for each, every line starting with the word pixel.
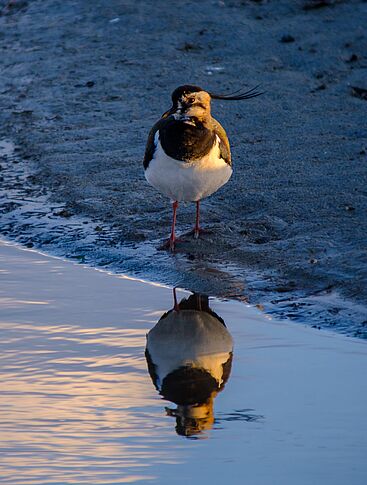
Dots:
pixel 185 89
pixel 238 95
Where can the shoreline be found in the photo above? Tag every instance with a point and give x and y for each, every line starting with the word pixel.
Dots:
pixel 30 218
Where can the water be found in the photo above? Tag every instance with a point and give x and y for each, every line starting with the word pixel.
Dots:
pixel 77 405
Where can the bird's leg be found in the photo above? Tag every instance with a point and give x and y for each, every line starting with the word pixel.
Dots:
pixel 172 238
pixel 171 242
pixel 197 225
pixel 197 229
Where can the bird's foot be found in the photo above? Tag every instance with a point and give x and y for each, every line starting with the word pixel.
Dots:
pixel 169 244
pixel 196 233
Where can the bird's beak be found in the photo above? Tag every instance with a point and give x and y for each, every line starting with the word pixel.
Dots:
pixel 238 95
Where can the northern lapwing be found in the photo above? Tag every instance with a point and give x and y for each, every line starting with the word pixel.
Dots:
pixel 187 156
pixel 189 356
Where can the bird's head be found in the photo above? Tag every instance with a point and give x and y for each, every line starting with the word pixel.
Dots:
pixel 192 101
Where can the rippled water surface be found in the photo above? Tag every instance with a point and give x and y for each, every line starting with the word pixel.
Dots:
pixel 279 403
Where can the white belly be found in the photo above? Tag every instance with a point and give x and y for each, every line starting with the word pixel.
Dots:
pixel 189 338
pixel 187 181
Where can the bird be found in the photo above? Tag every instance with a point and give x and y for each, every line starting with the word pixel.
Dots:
pixel 189 357
pixel 187 155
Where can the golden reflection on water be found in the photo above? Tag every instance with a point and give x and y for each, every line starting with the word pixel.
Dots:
pixel 77 406
pixel 14 303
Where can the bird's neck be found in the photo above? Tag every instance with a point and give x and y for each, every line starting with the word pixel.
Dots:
pixel 193 115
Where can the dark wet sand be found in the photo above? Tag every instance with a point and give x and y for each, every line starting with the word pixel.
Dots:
pixel 82 82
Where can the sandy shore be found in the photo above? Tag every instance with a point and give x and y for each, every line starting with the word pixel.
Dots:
pixel 77 404
pixel 81 84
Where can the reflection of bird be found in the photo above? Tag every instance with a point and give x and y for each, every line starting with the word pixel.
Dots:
pixel 189 356
pixel 187 157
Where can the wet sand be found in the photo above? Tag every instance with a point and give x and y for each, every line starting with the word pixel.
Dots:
pixel 77 404
pixel 82 83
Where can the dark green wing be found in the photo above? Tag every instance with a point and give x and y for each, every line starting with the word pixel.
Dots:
pixel 150 146
pixel 225 151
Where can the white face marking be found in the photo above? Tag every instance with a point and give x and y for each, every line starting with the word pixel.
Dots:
pixel 178 116
pixel 189 121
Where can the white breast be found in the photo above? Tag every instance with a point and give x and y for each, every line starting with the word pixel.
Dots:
pixel 187 181
pixel 189 338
